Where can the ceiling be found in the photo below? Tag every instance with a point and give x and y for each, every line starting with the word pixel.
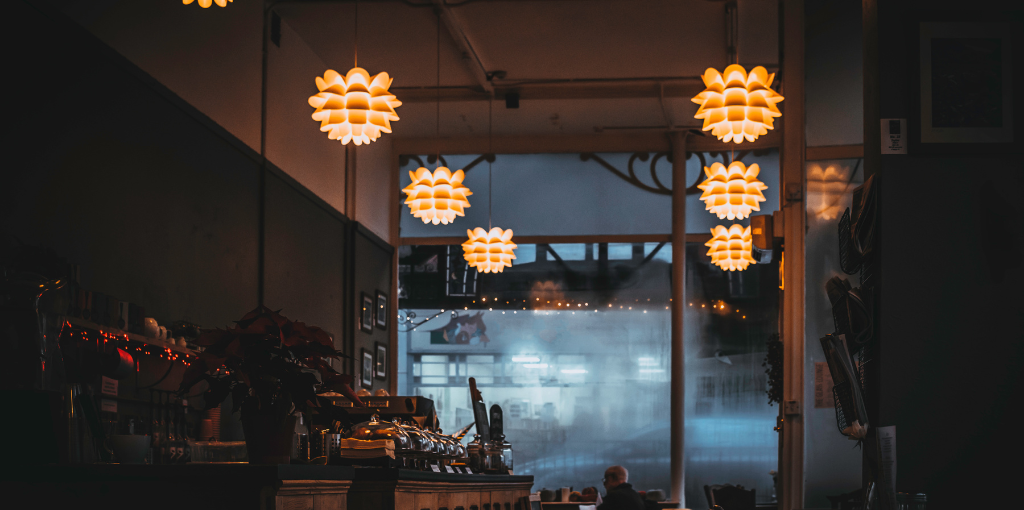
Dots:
pixel 637 63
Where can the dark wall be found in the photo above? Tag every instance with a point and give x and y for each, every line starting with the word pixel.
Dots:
pixel 952 310
pixel 305 251
pixel 159 205
pixel 155 206
pixel 372 273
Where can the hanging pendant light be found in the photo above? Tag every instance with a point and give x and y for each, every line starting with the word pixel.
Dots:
pixel 730 248
pixel 732 192
pixel 355 107
pixel 206 3
pixel 736 106
pixel 437 197
pixel 489 251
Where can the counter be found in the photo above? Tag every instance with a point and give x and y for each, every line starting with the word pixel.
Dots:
pixel 221 486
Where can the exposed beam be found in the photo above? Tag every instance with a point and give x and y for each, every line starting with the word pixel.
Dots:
pixel 791 456
pixel 834 152
pixel 638 88
pixel 469 54
pixel 629 238
pixel 646 139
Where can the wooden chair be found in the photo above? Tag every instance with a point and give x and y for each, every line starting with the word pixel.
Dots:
pixel 730 497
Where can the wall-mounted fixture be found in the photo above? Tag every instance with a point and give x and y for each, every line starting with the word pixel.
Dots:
pixel 206 3
pixel 730 248
pixel 437 197
pixel 489 251
pixel 732 192
pixel 736 106
pixel 354 108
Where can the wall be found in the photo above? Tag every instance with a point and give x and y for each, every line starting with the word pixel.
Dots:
pixel 372 272
pixel 158 203
pixel 213 59
pixel 834 116
pixel 951 352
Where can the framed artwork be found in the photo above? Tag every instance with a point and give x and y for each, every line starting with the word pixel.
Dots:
pixel 964 96
pixel 366 313
pixel 380 362
pixel 381 312
pixel 366 374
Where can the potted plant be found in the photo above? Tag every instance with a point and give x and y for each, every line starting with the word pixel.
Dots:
pixel 269 365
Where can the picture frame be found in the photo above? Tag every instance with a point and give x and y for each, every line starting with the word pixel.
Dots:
pixel 380 361
pixel 381 311
pixel 366 312
pixel 963 86
pixel 366 371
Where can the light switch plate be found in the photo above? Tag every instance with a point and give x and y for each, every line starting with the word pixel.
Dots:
pixel 791 408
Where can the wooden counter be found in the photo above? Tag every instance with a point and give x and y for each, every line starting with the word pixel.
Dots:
pixel 402 489
pixel 265 487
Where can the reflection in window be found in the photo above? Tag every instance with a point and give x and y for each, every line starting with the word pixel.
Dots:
pixel 575 350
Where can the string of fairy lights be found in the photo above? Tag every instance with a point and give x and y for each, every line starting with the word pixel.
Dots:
pixel 110 339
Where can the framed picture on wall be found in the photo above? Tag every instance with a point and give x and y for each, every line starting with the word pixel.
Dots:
pixel 366 373
pixel 380 362
pixel 382 310
pixel 963 99
pixel 366 313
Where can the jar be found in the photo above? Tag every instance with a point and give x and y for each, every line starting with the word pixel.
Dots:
pixel 506 457
pixel 476 454
pixel 492 457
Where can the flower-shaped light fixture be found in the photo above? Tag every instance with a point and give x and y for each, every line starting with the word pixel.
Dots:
pixel 206 3
pixel 736 106
pixel 730 248
pixel 825 190
pixel 489 252
pixel 437 197
pixel 732 192
pixel 355 107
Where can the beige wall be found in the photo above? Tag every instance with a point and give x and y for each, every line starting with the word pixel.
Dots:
pixel 294 141
pixel 212 58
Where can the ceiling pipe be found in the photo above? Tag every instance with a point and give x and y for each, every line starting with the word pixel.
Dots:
pixel 476 66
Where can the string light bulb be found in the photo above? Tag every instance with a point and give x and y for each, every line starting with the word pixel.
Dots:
pixel 355 107
pixel 730 248
pixel 437 197
pixel 737 106
pixel 489 251
pixel 207 3
pixel 732 192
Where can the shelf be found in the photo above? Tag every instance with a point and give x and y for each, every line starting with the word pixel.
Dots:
pixel 131 336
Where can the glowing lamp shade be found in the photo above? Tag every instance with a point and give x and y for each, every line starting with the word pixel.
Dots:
pixel 730 248
pixel 355 107
pixel 489 252
pixel 732 192
pixel 206 3
pixel 437 197
pixel 737 106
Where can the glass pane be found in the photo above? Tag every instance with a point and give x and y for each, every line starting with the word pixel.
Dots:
pixel 530 193
pixel 620 251
pixel 570 251
pixel 831 467
pixel 728 318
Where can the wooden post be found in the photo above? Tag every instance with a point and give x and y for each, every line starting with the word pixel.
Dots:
pixel 792 189
pixel 676 423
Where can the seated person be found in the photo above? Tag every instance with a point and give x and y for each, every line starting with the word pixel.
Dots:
pixel 621 495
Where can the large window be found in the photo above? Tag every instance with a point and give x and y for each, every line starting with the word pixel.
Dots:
pixel 573 342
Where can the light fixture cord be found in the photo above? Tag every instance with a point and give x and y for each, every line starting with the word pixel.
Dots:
pixel 437 114
pixel 355 37
pixel 490 149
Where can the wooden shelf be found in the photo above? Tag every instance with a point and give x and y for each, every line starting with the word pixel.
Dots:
pixel 131 336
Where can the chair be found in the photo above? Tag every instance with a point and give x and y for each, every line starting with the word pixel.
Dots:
pixel 730 497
